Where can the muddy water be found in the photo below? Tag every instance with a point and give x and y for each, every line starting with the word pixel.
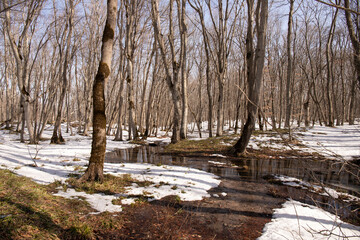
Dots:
pixel 244 182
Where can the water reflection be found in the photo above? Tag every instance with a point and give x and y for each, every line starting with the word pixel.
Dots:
pixel 327 172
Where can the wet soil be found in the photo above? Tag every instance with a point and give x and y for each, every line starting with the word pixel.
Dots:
pixel 247 204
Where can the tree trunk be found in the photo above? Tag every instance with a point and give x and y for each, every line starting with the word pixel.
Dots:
pixel 330 72
pixel 172 80
pixel 184 80
pixel 98 147
pixel 129 50
pixel 21 53
pixel 352 102
pixel 121 75
pixel 151 94
pixel 354 40
pixel 200 12
pixel 255 61
pixel 57 139
pixel 289 67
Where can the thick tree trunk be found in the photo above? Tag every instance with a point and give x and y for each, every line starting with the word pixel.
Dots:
pixel 96 162
pixel 351 115
pixel 354 40
pixel 255 60
pixel 184 80
pixel 306 113
pixel 220 113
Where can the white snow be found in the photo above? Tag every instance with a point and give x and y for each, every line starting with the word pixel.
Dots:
pixel 339 141
pixel 217 163
pixel 300 221
pixel 293 221
pixel 188 183
pixel 98 201
pixel 296 220
pixel 218 155
pixel 56 162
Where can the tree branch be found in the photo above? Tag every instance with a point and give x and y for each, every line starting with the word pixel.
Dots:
pixel 331 4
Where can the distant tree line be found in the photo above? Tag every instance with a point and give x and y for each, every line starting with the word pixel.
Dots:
pixel 223 62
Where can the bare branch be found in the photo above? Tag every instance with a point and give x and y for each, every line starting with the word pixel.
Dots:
pixel 331 4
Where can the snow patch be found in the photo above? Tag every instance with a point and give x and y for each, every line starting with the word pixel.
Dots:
pixel 300 221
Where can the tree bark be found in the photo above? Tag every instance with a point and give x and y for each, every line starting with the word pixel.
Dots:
pixel 21 52
pixel 255 64
pixel 151 94
pixel 94 172
pixel 330 71
pixel 289 67
pixel 209 87
pixel 172 80
pixel 57 136
pixel 354 40
pixel 184 80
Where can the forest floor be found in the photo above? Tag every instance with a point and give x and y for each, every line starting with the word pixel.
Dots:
pixel 186 204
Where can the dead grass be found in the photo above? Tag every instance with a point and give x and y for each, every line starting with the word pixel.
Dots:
pixel 110 186
pixel 209 145
pixel 29 211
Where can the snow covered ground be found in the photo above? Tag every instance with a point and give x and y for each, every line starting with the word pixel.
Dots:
pixel 296 220
pixel 293 221
pixel 300 221
pixel 342 141
pixel 56 162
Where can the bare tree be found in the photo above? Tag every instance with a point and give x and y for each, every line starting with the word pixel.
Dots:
pixel 172 73
pixel 199 9
pixel 329 70
pixel 57 136
pixel 354 35
pixel 21 50
pixel 133 10
pixel 255 64
pixel 98 147
pixel 289 71
pixel 184 79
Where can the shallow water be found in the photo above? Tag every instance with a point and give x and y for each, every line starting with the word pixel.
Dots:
pixel 326 172
pixel 246 172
